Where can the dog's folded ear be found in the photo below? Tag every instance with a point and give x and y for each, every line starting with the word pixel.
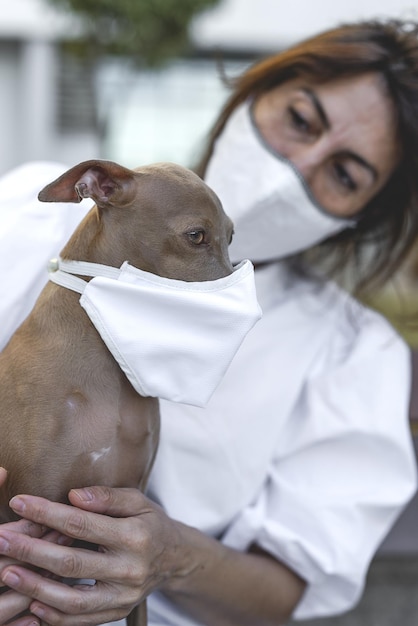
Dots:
pixel 96 179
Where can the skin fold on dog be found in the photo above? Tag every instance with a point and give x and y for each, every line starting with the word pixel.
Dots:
pixel 70 418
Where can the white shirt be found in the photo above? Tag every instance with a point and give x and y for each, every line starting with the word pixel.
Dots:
pixel 304 448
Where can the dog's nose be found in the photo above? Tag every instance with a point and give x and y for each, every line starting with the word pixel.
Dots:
pixel 224 269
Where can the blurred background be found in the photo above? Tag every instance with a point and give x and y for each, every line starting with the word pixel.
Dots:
pixel 143 83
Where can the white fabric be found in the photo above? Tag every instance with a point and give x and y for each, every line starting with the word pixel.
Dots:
pixel 273 211
pixel 304 448
pixel 173 339
pixel 305 445
pixel 30 233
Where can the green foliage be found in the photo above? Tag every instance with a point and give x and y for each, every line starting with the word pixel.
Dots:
pixel 148 31
pixel 400 307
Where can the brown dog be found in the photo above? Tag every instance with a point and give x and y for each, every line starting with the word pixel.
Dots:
pixel 63 397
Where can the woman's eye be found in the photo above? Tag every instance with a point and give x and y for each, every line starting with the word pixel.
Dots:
pixel 344 177
pixel 196 236
pixel 298 121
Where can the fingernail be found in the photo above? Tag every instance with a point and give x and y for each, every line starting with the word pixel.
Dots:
pixel 84 494
pixel 37 610
pixel 17 504
pixel 63 540
pixel 11 579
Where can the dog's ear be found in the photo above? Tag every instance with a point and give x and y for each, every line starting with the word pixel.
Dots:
pixel 94 179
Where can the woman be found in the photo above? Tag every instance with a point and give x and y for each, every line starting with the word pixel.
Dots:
pixel 276 496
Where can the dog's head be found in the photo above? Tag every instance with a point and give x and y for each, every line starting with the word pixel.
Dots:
pixel 161 218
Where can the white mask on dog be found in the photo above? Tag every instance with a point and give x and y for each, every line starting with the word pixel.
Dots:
pixel 172 339
pixel 266 197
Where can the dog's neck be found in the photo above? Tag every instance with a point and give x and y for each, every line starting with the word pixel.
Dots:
pixel 89 242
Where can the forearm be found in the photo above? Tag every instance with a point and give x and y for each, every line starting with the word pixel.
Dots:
pixel 222 586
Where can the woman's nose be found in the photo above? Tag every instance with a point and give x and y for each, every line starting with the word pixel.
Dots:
pixel 308 160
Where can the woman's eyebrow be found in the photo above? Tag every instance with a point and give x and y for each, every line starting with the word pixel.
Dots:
pixel 368 166
pixel 318 106
pixel 325 121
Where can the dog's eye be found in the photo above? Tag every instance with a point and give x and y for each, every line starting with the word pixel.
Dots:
pixel 196 236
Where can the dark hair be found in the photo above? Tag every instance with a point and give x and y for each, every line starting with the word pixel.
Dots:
pixel 388 226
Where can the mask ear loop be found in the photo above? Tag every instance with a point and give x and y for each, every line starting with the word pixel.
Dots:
pixel 62 273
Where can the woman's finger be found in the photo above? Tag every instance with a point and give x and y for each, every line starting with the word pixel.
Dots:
pixel 27 620
pixel 5 562
pixel 11 604
pixel 115 502
pixel 53 593
pixel 54 617
pixel 63 561
pixel 26 527
pixel 30 529
pixel 55 599
pixel 66 519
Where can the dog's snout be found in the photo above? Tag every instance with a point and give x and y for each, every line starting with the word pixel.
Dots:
pixel 226 268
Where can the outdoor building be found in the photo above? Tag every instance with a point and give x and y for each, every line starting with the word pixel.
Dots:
pixel 47 106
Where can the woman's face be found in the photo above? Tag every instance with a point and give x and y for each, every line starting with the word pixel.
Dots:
pixel 340 135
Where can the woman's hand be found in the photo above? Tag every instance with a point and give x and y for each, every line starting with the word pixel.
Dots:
pixel 140 549
pixel 138 552
pixel 11 602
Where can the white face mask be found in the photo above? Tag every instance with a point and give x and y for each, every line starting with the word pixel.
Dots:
pixel 172 339
pixel 273 211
